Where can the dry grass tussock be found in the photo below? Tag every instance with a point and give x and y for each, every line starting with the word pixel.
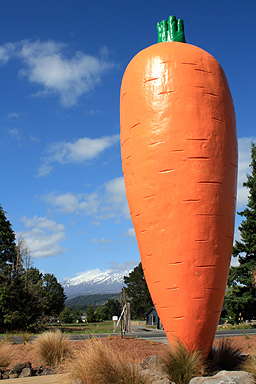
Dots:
pixel 250 365
pixel 181 365
pixel 98 363
pixel 53 348
pixel 5 355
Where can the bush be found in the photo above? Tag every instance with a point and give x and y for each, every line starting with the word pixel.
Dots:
pixel 26 337
pixel 180 365
pixel 5 355
pixel 98 363
pixel 53 347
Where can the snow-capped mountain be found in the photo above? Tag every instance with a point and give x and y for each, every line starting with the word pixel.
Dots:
pixel 95 282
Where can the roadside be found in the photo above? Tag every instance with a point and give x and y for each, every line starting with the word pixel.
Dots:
pixel 141 332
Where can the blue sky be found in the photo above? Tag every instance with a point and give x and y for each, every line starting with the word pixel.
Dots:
pixel 61 66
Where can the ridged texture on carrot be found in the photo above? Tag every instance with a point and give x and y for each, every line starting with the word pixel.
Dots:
pixel 179 157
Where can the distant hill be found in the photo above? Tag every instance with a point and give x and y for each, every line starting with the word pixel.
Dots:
pixel 81 302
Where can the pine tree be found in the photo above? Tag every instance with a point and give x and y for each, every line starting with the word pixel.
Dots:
pixel 8 252
pixel 138 293
pixel 240 300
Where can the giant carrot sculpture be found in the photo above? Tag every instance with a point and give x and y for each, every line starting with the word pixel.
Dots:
pixel 179 156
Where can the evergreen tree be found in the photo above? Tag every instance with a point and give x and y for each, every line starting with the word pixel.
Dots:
pixel 90 314
pixel 9 280
pixel 113 307
pixel 8 253
pixel 53 294
pixel 25 293
pixel 49 292
pixel 240 300
pixel 138 293
pixel 66 316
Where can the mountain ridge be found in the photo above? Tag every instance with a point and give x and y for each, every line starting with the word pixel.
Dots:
pixel 95 282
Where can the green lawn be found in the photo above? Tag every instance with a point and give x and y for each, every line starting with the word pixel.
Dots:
pixel 88 328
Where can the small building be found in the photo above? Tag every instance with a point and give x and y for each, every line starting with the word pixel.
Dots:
pixel 152 318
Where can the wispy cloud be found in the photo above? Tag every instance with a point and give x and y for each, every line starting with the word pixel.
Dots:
pixel 244 160
pixel 114 267
pixel 75 152
pixel 115 199
pixel 13 116
pixel 74 202
pixel 48 65
pixel 125 268
pixel 107 202
pixel 130 233
pixel 15 133
pixel 101 241
pixel 6 52
pixel 43 236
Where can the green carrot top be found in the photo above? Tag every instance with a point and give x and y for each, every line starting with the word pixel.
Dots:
pixel 171 30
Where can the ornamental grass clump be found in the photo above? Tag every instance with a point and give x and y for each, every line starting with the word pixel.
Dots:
pixel 53 348
pixel 5 355
pixel 227 355
pixel 98 363
pixel 181 365
pixel 250 365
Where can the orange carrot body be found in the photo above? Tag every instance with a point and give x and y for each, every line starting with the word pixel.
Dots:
pixel 179 158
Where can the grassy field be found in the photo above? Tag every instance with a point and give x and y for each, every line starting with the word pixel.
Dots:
pixel 105 327
pixel 88 328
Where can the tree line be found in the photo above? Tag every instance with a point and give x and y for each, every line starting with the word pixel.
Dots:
pixel 27 296
pixel 81 302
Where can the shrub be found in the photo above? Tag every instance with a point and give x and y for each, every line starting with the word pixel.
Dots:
pixel 5 355
pixel 98 363
pixel 226 355
pixel 8 337
pixel 26 337
pixel 181 365
pixel 53 347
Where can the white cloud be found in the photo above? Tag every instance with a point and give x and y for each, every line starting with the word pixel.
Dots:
pixel 43 236
pixel 124 268
pixel 34 139
pixel 130 232
pixel 13 116
pixel 101 241
pixel 74 202
pixel 115 199
pixel 48 65
pixel 244 159
pixel 6 52
pixel 15 133
pixel 75 152
pixel 105 203
pixel 114 267
pixel 44 169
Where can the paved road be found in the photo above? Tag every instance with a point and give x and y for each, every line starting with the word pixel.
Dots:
pixel 159 336
pixel 147 334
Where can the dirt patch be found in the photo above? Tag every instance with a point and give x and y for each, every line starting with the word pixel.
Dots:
pixel 136 349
